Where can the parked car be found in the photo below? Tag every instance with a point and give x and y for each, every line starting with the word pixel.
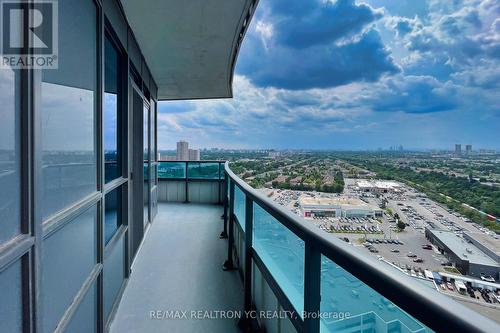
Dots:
pixel 487 278
pixel 419 260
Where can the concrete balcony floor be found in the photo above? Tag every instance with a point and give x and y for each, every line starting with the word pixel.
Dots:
pixel 178 268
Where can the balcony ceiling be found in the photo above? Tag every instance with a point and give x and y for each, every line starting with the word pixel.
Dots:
pixel 189 46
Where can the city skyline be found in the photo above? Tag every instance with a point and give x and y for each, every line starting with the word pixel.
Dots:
pixel 424 75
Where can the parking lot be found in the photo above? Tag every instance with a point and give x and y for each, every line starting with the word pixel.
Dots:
pixel 380 237
pixel 408 250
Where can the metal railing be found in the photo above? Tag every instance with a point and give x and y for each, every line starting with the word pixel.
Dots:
pixel 417 301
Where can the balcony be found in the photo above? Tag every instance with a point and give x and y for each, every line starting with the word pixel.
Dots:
pixel 178 269
pixel 308 279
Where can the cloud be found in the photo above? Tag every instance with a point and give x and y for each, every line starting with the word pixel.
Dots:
pixel 322 23
pixel 300 44
pixel 458 32
pixel 413 94
pixel 310 77
pixel 364 59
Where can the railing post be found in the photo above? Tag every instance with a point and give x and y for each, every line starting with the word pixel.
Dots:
pixel 187 184
pixel 248 253
pixel 224 231
pixel 248 323
pixel 312 288
pixel 228 264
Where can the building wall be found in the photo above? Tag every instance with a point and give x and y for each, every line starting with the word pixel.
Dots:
pixel 464 266
pixel 182 151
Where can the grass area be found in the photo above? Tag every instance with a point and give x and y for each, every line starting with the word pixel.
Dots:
pixel 453 270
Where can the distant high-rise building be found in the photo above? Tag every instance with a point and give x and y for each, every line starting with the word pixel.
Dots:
pixel 458 149
pixel 182 151
pixel 194 154
pixel 468 149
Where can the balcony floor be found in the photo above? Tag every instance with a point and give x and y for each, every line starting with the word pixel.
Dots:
pixel 178 268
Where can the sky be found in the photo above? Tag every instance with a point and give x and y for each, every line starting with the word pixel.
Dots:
pixel 345 74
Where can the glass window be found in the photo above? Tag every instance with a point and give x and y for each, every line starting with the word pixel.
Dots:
pixel 112 213
pixel 68 111
pixel 111 112
pixel 10 196
pixel 171 170
pixel 349 304
pixel 114 270
pixel 283 254
pixel 85 318
pixel 68 255
pixel 11 304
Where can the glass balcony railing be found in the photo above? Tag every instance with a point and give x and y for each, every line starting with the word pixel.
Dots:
pixel 185 170
pixel 324 284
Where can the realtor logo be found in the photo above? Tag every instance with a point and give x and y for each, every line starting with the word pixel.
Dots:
pixel 28 34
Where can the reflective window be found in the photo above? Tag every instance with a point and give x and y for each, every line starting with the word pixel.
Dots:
pixel 11 305
pixel 172 170
pixel 85 318
pixel 68 255
pixel 10 197
pixel 68 111
pixel 112 213
pixel 111 114
pixel 113 274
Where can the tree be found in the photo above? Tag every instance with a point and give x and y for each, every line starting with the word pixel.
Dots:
pixel 401 225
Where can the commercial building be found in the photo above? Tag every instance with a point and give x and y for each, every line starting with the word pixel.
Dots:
pixel 336 207
pixel 465 255
pixel 378 186
pixel 458 149
pixel 182 151
pixel 468 149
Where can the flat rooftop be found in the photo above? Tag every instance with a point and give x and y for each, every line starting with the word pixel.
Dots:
pixel 383 184
pixel 340 201
pixel 463 249
pixel 487 240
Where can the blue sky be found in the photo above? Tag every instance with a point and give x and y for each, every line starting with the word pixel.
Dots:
pixel 345 74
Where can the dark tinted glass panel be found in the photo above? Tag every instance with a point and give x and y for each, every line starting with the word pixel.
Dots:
pixel 85 318
pixel 11 307
pixel 113 274
pixel 68 111
pixel 111 114
pixel 112 213
pixel 68 255
pixel 9 154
